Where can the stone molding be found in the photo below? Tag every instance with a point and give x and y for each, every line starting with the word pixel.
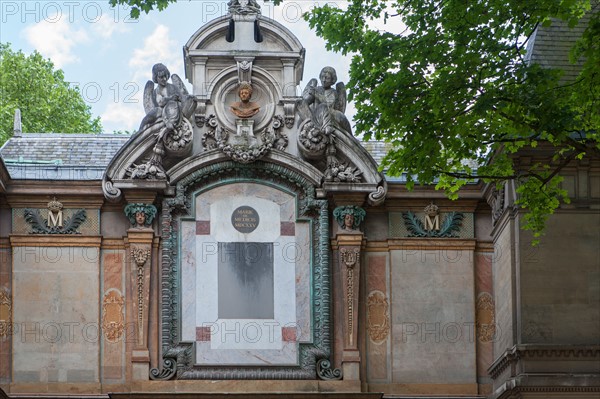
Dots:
pixel 177 356
pixel 49 240
pixel 512 356
pixel 409 243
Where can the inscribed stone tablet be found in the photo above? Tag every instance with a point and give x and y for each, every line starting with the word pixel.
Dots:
pixel 245 219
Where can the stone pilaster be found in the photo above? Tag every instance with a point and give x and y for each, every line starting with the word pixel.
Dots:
pixel 139 254
pixel 349 254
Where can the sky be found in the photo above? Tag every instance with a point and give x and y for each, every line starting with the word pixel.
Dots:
pixel 109 56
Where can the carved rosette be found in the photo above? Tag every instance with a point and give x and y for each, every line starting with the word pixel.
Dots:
pixel 378 318
pixel 486 317
pixel 179 141
pixel 5 313
pixel 113 315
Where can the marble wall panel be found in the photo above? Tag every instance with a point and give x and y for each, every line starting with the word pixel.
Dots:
pixel 56 308
pixel 503 288
pixel 245 340
pixel 113 341
pixel 485 315
pixel 432 310
pixel 378 321
pixel 7 314
pixel 559 282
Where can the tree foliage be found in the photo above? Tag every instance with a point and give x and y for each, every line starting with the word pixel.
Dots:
pixel 143 5
pixel 454 94
pixel 46 101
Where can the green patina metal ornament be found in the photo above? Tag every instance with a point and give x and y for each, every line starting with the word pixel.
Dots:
pixel 449 227
pixel 133 212
pixel 349 217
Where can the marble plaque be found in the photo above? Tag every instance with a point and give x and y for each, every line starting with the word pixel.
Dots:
pixel 246 296
pixel 245 219
pixel 246 280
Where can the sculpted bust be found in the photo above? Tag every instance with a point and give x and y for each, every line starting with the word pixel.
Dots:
pixel 245 108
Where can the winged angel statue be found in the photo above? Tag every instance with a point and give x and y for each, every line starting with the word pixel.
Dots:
pixel 321 113
pixel 168 108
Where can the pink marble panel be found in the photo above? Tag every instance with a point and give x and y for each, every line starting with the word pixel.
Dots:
pixel 288 334
pixel 288 229
pixel 376 274
pixel 203 334
pixel 203 227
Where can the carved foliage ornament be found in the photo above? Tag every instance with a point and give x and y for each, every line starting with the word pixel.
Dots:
pixel 245 149
pixel 54 223
pixel 497 204
pixel 486 317
pixel 133 211
pixel 5 313
pixel 432 226
pixel 113 318
pixel 349 259
pixel 140 255
pixel 349 217
pixel 317 140
pixel 378 319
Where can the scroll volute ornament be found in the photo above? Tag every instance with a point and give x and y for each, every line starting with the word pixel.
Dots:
pixel 486 317
pixel 378 319
pixel 113 317
pixel 5 313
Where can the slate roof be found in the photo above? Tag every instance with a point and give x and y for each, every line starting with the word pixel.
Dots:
pixel 55 156
pixel 550 46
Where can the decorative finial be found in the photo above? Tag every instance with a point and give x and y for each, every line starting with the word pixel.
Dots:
pixel 18 128
pixel 243 7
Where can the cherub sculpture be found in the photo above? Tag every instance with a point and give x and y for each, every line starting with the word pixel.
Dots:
pixel 168 110
pixel 321 119
pixel 169 101
pixel 317 100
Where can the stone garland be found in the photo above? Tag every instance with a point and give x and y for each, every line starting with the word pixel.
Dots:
pixel 217 137
pixel 349 258
pixel 176 356
pixel 140 256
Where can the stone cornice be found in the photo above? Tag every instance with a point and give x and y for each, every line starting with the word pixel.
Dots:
pixel 421 244
pixel 54 240
pixel 518 352
pixel 73 196
pixel 113 243
pixel 484 246
pixel 417 203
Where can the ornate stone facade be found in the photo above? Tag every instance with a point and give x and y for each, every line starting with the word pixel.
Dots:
pixel 245 242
